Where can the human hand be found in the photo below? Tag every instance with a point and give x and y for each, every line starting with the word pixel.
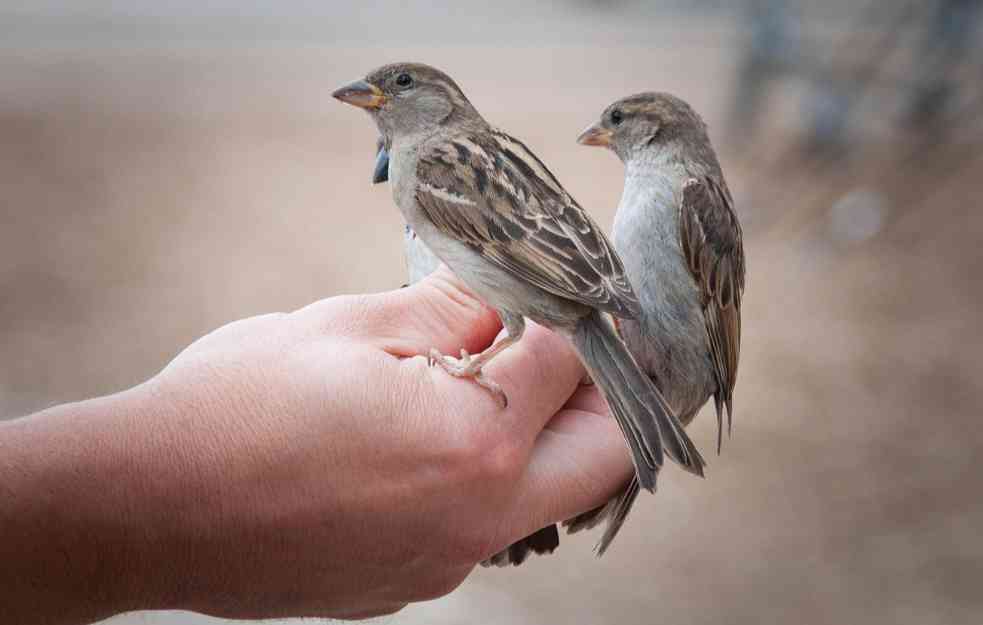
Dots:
pixel 313 464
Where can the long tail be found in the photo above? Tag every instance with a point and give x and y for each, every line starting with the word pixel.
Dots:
pixel 647 422
pixel 645 418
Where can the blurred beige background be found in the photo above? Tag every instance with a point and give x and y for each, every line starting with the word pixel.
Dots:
pixel 165 170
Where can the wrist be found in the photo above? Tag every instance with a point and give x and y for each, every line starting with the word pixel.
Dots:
pixel 83 535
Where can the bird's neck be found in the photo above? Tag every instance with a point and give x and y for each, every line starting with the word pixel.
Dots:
pixel 654 156
pixel 653 182
pixel 654 165
pixel 451 127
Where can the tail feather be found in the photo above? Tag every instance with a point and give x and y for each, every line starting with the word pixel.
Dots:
pixel 720 402
pixel 587 520
pixel 541 542
pixel 646 419
pixel 649 425
pixel 614 512
pixel 720 421
pixel 616 515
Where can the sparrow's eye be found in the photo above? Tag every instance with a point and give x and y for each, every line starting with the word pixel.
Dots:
pixel 404 80
pixel 617 117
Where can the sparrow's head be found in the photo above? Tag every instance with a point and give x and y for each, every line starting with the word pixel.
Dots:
pixel 409 98
pixel 636 125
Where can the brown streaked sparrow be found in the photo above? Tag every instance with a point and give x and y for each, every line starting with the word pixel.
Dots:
pixel 678 235
pixel 492 211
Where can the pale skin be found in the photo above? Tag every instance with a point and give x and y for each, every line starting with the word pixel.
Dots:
pixel 301 464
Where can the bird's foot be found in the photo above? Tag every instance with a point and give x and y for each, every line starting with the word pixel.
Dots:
pixel 468 367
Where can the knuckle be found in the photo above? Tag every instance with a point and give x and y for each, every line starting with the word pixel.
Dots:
pixel 500 460
pixel 485 454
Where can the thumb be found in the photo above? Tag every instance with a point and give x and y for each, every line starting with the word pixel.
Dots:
pixel 439 311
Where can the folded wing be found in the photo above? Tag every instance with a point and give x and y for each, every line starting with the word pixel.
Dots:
pixel 490 192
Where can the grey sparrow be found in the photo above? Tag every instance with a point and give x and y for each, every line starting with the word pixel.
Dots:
pixel 681 243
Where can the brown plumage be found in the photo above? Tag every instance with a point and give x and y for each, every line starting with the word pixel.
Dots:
pixel 507 206
pixel 712 243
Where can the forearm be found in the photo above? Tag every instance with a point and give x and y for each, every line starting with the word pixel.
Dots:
pixel 74 542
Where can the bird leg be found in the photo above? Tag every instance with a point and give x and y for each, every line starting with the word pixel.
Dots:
pixel 468 366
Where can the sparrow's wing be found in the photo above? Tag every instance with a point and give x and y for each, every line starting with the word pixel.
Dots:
pixel 711 241
pixel 490 192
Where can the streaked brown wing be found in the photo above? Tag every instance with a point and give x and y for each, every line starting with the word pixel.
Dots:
pixel 490 192
pixel 712 243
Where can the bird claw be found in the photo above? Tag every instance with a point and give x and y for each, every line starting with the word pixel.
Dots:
pixel 468 367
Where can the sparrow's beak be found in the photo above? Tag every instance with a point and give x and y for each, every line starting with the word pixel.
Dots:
pixel 361 94
pixel 595 135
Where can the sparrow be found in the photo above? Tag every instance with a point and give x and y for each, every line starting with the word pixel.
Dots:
pixel 491 211
pixel 681 243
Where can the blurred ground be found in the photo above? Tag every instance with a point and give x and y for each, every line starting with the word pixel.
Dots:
pixel 153 191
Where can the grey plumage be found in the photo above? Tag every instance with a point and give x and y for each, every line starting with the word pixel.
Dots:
pixel 490 210
pixel 681 243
